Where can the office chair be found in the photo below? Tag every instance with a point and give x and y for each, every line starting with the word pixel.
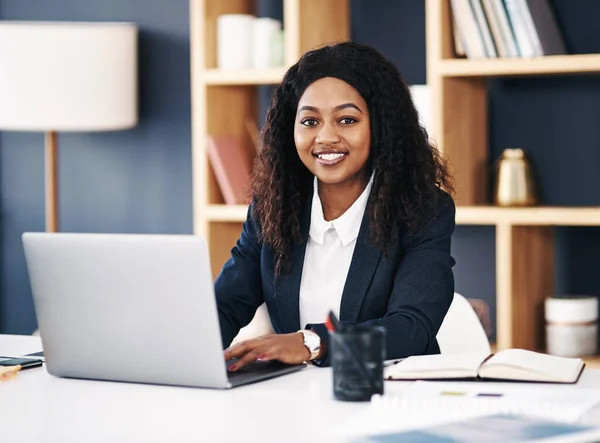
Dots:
pixel 461 330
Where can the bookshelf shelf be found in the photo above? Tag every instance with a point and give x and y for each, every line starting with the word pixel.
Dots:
pixel 467 215
pixel 532 216
pixel 226 213
pixel 507 67
pixel 221 77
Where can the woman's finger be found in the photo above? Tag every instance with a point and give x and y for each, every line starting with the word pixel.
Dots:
pixel 248 358
pixel 240 349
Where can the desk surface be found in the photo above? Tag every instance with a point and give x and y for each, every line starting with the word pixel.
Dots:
pixel 37 407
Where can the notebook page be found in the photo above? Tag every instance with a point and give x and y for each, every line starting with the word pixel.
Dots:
pixel 559 368
pixel 466 363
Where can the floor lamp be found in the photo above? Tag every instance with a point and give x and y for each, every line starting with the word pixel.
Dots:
pixel 66 77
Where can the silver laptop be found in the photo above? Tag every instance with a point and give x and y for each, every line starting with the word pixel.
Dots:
pixel 133 308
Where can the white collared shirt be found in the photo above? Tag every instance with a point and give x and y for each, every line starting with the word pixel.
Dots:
pixel 328 255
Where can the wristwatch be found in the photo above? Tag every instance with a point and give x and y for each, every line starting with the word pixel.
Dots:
pixel 313 342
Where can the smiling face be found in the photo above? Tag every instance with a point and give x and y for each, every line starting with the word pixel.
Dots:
pixel 332 132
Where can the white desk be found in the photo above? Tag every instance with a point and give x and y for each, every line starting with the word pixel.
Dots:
pixel 37 407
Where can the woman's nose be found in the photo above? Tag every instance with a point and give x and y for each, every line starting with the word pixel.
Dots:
pixel 327 135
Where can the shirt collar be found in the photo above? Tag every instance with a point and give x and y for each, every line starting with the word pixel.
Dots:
pixel 347 225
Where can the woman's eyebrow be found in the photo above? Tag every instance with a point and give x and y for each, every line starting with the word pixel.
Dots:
pixel 336 108
pixel 347 105
pixel 308 108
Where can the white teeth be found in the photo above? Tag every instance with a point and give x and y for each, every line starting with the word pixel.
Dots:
pixel 330 156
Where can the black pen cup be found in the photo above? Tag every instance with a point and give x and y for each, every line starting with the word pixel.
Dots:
pixel 357 357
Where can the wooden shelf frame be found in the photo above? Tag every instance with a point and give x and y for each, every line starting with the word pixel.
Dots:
pixel 524 236
pixel 222 100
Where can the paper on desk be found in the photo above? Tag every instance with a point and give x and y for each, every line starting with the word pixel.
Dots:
pixel 430 403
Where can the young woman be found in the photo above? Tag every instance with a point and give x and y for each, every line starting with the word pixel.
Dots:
pixel 351 212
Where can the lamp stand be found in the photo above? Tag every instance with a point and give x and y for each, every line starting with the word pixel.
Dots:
pixel 51 165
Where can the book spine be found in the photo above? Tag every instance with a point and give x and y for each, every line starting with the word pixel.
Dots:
pixel 468 30
pixel 484 29
pixel 530 28
pixel 546 26
pixel 520 29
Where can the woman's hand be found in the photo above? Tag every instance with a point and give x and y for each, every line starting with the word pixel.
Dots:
pixel 287 348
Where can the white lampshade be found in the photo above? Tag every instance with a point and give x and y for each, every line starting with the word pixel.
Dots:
pixel 68 76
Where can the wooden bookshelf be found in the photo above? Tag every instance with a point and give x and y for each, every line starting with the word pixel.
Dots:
pixel 524 236
pixel 223 100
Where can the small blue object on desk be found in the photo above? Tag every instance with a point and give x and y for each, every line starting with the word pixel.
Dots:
pixel 490 429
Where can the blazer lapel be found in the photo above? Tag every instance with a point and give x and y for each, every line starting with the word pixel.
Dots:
pixel 287 289
pixel 362 268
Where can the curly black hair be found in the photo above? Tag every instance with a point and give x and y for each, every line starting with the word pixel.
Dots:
pixel 408 171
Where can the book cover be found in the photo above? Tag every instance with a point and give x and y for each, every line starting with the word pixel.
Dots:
pixel 232 166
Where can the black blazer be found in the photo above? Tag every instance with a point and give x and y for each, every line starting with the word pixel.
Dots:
pixel 408 290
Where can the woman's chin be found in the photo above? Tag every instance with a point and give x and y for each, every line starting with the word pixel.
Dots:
pixel 331 178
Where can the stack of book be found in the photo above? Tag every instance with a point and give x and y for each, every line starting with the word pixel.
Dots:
pixel 505 28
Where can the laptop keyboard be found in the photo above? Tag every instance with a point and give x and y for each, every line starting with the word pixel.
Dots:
pixel 259 370
pixel 254 367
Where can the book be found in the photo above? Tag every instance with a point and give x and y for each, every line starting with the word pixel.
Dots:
pixel 232 165
pixel 493 428
pixel 470 38
pixel 543 27
pixel 510 364
pixel 516 11
pixel 484 28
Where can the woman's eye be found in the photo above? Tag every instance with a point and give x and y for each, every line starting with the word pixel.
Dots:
pixel 347 121
pixel 309 122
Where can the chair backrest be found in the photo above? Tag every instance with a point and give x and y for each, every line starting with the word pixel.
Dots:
pixel 461 330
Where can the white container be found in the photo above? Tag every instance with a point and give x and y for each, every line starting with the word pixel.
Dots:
pixel 571 326
pixel 265 32
pixel 234 41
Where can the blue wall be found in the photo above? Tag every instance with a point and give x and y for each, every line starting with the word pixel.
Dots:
pixel 140 180
pixel 129 181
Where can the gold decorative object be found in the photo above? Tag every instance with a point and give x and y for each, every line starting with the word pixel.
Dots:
pixel 513 181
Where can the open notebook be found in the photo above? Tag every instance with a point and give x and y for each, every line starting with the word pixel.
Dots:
pixel 510 364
